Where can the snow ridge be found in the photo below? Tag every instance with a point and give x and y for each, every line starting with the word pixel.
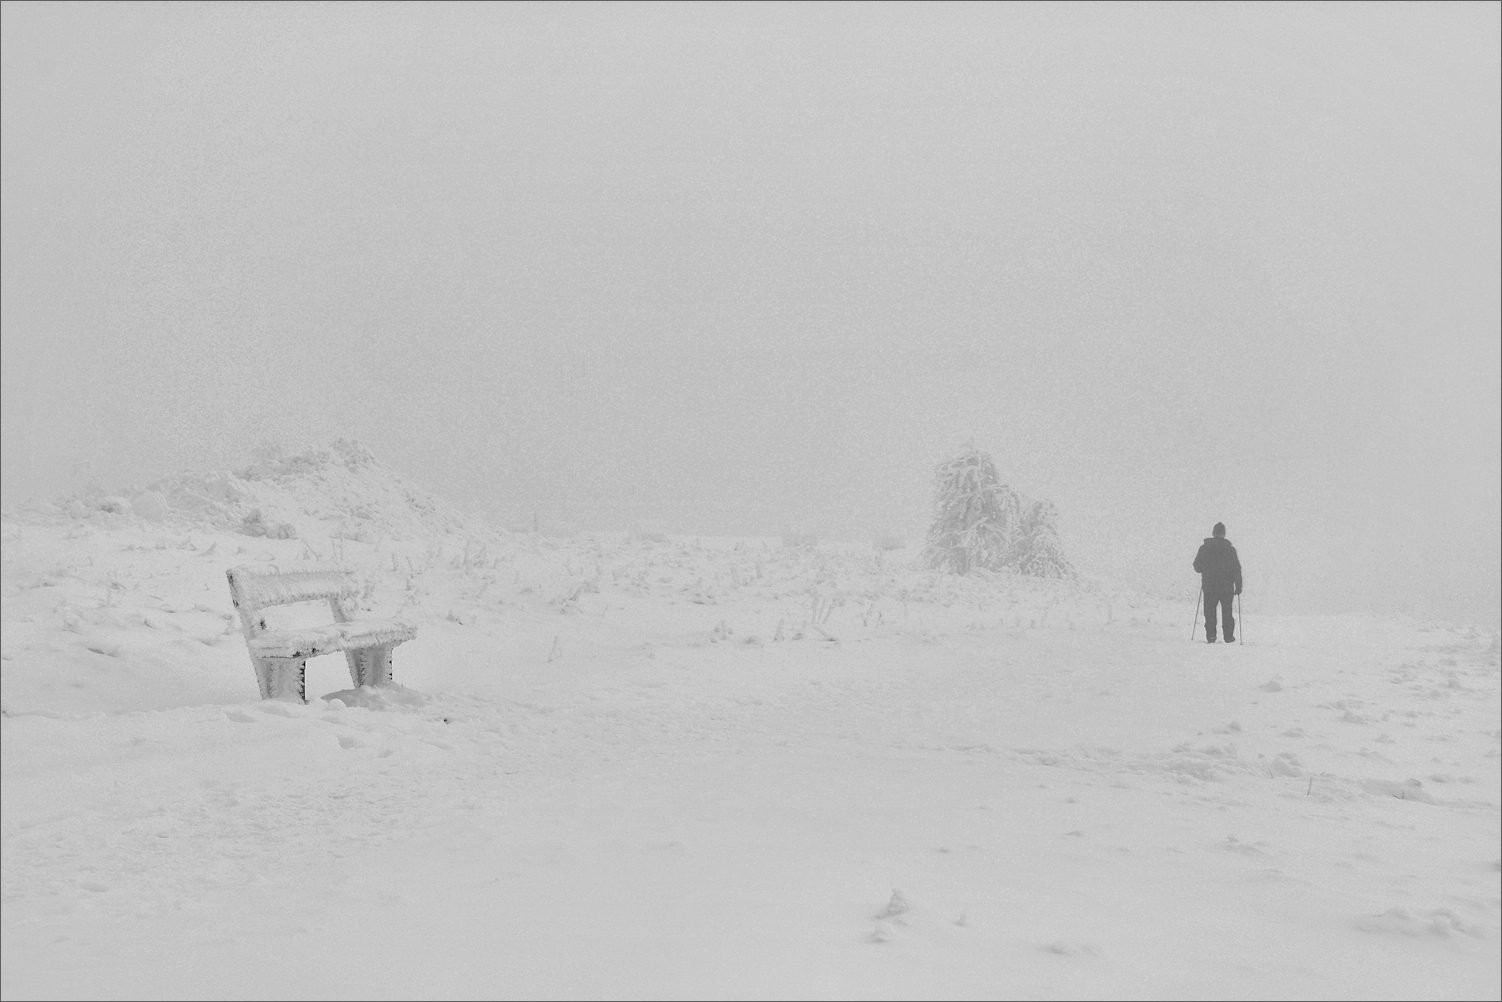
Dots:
pixel 339 490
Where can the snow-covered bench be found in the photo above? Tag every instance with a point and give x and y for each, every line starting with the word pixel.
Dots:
pixel 280 656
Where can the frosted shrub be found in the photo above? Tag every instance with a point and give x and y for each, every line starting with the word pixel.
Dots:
pixel 981 522
pixel 256 524
pixel 650 530
pixel 1039 552
pixel 800 537
pixel 151 505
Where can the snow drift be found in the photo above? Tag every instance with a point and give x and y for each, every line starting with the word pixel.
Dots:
pixel 644 765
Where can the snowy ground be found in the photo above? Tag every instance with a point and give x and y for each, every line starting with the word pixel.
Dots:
pixel 715 768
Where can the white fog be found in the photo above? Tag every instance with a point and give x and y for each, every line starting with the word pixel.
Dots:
pixel 731 267
pixel 725 270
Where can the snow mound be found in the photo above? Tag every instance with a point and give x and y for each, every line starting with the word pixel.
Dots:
pixel 340 490
pixel 1440 922
pixel 385 699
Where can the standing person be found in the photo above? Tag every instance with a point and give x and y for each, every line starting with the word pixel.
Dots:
pixel 1220 577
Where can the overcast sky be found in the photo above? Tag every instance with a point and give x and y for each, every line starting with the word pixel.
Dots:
pixel 731 266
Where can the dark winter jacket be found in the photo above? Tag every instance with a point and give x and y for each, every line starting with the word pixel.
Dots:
pixel 1219 567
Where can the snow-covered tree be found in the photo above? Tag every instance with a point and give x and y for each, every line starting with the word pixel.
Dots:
pixel 981 522
pixel 976 516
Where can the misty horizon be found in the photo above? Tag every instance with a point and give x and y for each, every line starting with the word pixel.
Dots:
pixel 734 267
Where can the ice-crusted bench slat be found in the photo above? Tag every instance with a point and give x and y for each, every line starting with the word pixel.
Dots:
pixel 280 656
pixel 264 589
pixel 310 643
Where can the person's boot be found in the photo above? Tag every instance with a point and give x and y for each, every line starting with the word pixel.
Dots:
pixel 1209 640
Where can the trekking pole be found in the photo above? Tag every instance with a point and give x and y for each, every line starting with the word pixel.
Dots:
pixel 1196 621
pixel 1240 623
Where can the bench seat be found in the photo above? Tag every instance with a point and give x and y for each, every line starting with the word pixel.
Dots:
pixel 312 642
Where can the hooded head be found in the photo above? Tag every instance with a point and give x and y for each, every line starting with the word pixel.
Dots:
pixel 1219 530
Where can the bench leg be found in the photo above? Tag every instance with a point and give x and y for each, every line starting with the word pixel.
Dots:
pixel 282 678
pixel 370 666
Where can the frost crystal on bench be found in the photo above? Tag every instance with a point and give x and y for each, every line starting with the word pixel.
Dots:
pixel 280 656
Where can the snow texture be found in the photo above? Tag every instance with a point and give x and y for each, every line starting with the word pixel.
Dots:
pixel 619 766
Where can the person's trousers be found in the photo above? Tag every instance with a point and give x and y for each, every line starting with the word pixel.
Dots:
pixel 1228 624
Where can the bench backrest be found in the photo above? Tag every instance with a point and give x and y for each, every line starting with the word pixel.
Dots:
pixel 253 589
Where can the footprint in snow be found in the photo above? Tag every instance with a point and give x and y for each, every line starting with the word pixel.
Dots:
pixel 1440 922
pixel 897 905
pixel 1234 844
